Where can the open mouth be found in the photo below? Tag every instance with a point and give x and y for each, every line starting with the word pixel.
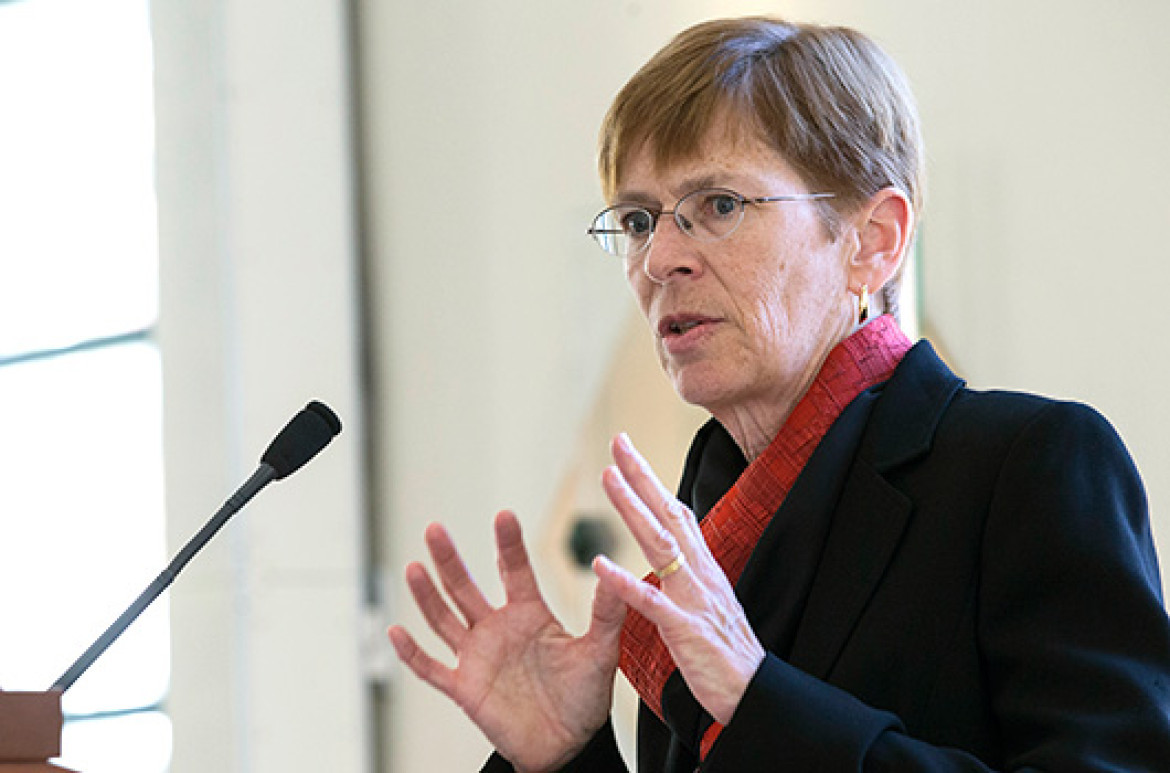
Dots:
pixel 681 324
pixel 678 328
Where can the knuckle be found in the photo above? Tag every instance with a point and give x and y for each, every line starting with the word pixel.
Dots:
pixel 665 543
pixel 677 512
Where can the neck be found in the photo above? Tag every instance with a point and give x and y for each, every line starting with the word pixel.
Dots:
pixel 754 424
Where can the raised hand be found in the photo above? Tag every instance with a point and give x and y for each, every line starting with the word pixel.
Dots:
pixel 538 693
pixel 697 614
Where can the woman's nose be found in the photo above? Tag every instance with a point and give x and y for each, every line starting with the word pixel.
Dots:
pixel 671 254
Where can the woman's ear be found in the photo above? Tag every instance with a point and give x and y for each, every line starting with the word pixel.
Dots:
pixel 884 225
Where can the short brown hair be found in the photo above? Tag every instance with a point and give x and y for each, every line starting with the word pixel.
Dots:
pixel 827 99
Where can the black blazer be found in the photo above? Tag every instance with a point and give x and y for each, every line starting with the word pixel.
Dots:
pixel 987 598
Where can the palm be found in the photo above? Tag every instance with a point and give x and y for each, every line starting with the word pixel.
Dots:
pixel 534 689
pixel 537 693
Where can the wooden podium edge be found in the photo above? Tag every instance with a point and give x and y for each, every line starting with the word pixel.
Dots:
pixel 30 732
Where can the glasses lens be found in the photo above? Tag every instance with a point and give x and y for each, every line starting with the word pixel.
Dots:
pixel 710 215
pixel 623 230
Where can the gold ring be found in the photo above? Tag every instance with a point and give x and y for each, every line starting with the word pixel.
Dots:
pixel 671 568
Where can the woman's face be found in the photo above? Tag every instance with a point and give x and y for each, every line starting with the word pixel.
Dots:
pixel 745 322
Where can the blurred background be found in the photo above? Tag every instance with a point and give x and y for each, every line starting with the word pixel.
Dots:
pixel 212 212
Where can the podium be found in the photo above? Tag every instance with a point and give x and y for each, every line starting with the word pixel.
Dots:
pixel 30 732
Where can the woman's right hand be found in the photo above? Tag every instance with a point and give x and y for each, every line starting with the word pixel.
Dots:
pixel 538 693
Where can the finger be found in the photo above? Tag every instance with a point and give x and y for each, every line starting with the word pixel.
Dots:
pixel 453 574
pixel 643 597
pixel 660 501
pixel 608 616
pixel 434 608
pixel 657 544
pixel 515 568
pixel 419 662
pixel 637 470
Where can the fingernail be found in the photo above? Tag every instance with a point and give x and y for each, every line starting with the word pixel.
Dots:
pixel 602 560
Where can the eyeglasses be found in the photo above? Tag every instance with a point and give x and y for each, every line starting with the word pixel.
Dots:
pixel 707 215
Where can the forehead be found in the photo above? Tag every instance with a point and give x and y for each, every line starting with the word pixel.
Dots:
pixel 725 158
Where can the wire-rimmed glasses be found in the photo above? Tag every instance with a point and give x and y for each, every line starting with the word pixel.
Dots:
pixel 708 215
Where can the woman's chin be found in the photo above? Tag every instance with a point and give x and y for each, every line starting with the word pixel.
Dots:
pixel 705 390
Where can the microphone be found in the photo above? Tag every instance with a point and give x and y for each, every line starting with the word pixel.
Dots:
pixel 301 439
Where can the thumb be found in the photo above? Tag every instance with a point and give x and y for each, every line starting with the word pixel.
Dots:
pixel 609 614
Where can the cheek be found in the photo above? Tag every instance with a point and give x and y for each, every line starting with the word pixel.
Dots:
pixel 771 317
pixel 765 303
pixel 787 307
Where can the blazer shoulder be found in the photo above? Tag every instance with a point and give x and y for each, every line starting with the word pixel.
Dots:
pixel 925 403
pixel 1012 414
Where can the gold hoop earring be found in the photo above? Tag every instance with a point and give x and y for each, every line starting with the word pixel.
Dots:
pixel 863 305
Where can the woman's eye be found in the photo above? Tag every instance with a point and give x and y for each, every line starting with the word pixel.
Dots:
pixel 722 205
pixel 637 223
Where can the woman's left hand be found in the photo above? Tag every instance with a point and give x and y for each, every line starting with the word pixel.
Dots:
pixel 696 611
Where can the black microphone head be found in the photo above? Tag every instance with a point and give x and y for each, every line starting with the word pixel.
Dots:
pixel 301 439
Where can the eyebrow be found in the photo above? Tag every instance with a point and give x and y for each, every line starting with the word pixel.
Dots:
pixel 688 185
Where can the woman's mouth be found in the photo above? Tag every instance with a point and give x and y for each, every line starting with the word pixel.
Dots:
pixel 681 324
pixel 678 328
pixel 681 332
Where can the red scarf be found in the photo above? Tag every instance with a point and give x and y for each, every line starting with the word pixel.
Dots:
pixel 737 521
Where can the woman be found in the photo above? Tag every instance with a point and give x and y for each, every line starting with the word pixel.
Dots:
pixel 869 566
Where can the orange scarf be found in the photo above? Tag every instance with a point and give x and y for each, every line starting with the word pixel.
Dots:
pixel 737 521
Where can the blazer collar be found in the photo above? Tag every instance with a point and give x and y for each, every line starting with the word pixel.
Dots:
pixel 905 420
pixel 890 425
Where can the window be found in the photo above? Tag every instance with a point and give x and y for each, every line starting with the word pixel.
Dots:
pixel 81 499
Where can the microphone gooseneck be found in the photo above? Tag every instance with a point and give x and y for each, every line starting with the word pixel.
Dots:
pixel 301 439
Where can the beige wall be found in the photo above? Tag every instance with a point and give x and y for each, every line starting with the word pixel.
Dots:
pixel 496 321
pixel 258 316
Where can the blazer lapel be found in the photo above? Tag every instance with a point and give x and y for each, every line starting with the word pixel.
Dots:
pixel 775 582
pixel 866 529
pixel 871 515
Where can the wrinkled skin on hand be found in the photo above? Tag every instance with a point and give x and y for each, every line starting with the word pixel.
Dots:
pixel 537 693
pixel 696 611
